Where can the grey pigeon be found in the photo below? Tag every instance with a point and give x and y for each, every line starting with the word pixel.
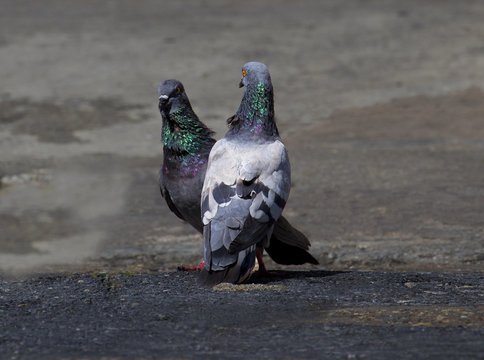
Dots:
pixel 186 146
pixel 246 185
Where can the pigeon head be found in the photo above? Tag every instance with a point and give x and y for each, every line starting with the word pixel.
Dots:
pixel 182 132
pixel 171 95
pixel 255 116
pixel 254 73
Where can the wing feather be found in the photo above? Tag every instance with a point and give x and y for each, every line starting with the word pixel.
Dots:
pixel 244 192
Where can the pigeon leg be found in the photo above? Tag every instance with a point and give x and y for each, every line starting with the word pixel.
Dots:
pixel 198 267
pixel 262 272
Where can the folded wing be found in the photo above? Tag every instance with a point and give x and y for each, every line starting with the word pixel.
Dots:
pixel 244 193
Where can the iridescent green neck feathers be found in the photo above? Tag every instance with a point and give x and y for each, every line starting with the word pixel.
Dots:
pixel 183 134
pixel 256 111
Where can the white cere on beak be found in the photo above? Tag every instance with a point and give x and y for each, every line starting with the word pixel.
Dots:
pixel 164 97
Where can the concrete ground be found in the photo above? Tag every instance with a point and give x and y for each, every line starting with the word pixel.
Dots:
pixel 380 104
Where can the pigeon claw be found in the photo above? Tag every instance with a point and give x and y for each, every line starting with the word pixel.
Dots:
pixel 198 267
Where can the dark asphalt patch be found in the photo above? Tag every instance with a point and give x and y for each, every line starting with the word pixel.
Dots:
pixel 56 123
pixel 306 314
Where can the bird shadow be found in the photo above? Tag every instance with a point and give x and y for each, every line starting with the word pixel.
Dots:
pixel 281 275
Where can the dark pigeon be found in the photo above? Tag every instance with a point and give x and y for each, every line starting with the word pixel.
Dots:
pixel 246 188
pixel 186 146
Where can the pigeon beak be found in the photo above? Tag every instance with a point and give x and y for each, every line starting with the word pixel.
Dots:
pixel 163 101
pixel 241 83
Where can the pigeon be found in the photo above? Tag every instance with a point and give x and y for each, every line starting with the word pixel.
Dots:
pixel 186 146
pixel 246 185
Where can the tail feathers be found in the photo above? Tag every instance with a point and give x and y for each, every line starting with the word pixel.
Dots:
pixel 235 273
pixel 288 246
pixel 289 235
pixel 285 254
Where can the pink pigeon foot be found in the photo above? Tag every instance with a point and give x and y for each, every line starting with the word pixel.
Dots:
pixel 198 267
pixel 262 272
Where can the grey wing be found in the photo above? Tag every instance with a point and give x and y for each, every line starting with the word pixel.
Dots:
pixel 228 213
pixel 242 213
pixel 223 264
pixel 266 204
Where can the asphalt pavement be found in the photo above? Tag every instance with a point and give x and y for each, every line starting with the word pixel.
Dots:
pixel 293 315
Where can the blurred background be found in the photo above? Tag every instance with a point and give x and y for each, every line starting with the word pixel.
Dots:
pixel 379 103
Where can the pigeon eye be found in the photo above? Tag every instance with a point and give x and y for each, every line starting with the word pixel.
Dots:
pixel 244 73
pixel 178 90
